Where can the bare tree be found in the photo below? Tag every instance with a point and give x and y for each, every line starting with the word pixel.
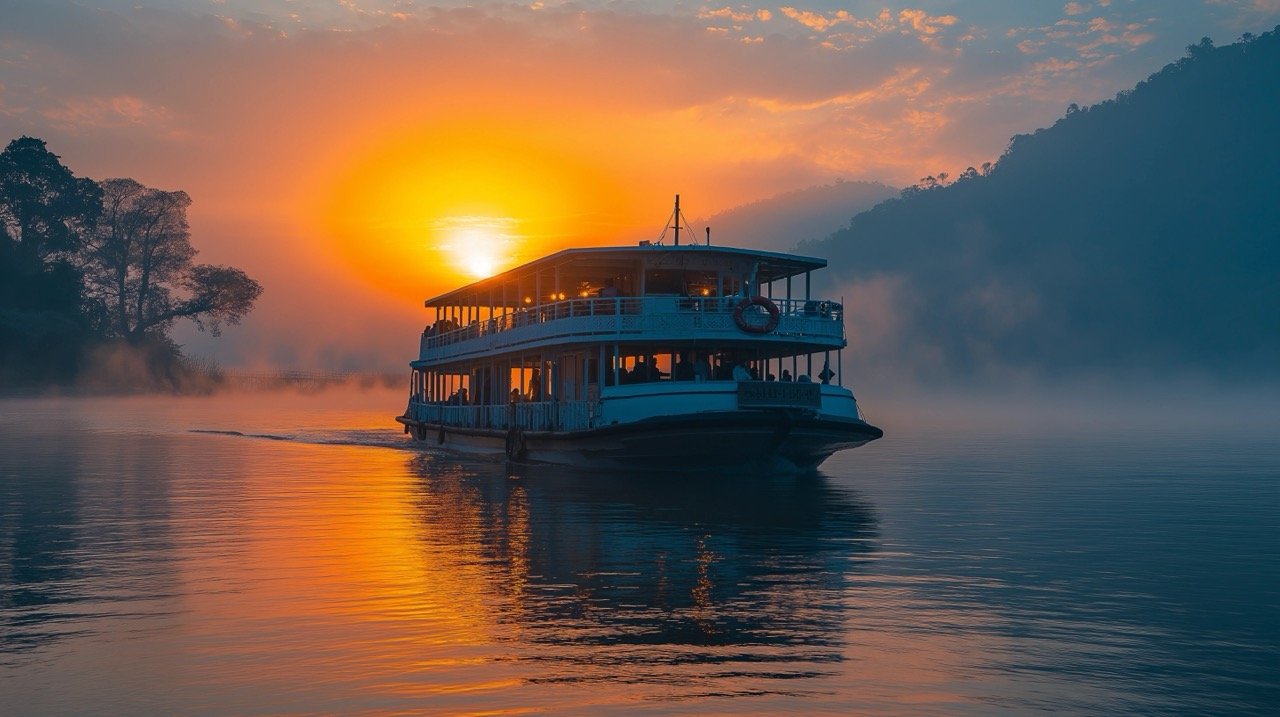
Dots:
pixel 139 267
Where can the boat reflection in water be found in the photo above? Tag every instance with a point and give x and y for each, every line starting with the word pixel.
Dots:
pixel 320 574
pixel 671 579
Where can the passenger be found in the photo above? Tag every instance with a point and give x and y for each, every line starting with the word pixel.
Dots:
pixel 535 386
pixel 640 372
pixel 515 395
pixel 702 368
pixel 723 371
pixel 786 376
pixel 655 374
pixel 771 377
pixel 608 291
pixel 740 373
pixel 804 378
pixel 827 374
pixel 683 370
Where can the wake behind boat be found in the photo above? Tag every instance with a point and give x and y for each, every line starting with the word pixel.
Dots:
pixel 651 355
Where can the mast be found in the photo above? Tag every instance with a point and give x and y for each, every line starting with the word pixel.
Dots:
pixel 677 218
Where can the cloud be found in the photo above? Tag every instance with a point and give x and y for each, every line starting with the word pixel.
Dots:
pixel 80 114
pixel 743 14
pixel 815 21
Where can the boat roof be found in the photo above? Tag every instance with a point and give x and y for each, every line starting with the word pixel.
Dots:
pixel 597 262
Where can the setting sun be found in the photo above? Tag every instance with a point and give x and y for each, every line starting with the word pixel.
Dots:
pixel 428 207
pixel 477 245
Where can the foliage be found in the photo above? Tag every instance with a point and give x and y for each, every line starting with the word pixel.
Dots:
pixel 90 271
pixel 44 209
pixel 139 266
pixel 1142 233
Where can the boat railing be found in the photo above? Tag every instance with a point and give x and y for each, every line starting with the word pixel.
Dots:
pixel 528 416
pixel 797 317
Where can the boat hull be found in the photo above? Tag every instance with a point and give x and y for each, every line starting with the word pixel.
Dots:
pixel 709 440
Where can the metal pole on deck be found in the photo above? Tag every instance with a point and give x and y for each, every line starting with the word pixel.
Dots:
pixel 677 220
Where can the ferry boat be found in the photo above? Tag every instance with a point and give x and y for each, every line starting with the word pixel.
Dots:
pixel 652 355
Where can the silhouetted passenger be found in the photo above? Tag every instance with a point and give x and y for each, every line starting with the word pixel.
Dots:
pixel 723 372
pixel 740 373
pixel 827 374
pixel 535 385
pixel 655 374
pixel 786 375
pixel 683 370
pixel 640 372
pixel 702 368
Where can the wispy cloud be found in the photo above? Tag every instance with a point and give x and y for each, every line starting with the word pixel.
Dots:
pixel 82 114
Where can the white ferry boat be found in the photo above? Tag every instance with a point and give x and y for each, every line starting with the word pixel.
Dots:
pixel 639 356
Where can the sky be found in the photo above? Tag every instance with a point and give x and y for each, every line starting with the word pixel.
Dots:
pixel 359 156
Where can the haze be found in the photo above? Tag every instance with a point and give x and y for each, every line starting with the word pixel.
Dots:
pixel 357 157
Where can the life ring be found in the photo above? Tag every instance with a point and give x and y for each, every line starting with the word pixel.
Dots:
pixel 762 302
pixel 516 449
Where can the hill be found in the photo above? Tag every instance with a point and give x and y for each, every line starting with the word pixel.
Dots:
pixel 1137 236
pixel 780 223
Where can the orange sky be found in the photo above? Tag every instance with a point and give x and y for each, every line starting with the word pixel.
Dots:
pixel 359 157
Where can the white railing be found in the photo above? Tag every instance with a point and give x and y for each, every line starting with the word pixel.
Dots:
pixel 656 316
pixel 540 416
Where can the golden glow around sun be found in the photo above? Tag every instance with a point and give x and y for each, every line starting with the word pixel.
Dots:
pixel 422 212
pixel 477 245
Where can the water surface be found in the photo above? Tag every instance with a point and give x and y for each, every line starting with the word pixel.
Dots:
pixel 295 554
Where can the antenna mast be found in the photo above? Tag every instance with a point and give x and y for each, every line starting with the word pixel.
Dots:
pixel 677 220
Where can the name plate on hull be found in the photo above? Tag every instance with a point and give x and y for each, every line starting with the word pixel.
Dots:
pixel 779 394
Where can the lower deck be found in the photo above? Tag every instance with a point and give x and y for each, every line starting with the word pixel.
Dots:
pixel 631 403
pixel 692 424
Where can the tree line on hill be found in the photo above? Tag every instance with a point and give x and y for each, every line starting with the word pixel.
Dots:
pixel 94 274
pixel 1138 236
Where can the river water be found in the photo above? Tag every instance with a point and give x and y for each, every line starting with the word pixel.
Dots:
pixel 243 555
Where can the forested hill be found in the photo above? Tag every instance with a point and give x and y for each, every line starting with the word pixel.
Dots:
pixel 1138 235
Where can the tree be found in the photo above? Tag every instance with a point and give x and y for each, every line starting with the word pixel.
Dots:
pixel 44 209
pixel 45 212
pixel 139 267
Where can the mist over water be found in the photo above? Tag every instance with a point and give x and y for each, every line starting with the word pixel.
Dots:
pixel 286 552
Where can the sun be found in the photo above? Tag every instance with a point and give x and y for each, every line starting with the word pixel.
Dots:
pixel 420 208
pixel 477 245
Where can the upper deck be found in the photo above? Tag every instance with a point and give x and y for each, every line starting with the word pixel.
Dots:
pixel 654 293
pixel 635 271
